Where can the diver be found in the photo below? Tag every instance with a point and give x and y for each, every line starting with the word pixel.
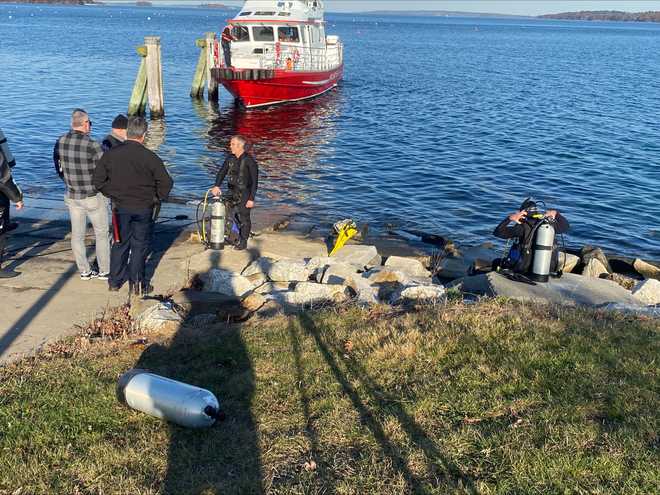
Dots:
pixel 522 226
pixel 242 174
pixel 9 192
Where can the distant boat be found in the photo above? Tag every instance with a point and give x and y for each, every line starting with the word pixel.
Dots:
pixel 279 53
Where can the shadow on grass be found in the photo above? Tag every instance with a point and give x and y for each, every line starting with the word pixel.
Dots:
pixel 439 467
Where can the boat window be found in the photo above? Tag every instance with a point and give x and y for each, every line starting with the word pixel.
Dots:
pixel 244 14
pixel 288 34
pixel 263 33
pixel 240 33
pixel 264 13
pixel 284 14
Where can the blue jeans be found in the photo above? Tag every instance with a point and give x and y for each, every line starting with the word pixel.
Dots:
pixel 128 256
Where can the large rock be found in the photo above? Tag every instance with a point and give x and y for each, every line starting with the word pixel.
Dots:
pixel 365 293
pixel 419 293
pixel 226 282
pixel 360 255
pixel 647 292
pixel 485 253
pixel 283 270
pixel 195 302
pixel 158 317
pixel 269 287
pixel 409 266
pixel 570 289
pixel 568 262
pixel 453 267
pixel 595 269
pixel 338 273
pixel 324 262
pixel 647 270
pixel 589 253
pixel 382 275
pixel 309 293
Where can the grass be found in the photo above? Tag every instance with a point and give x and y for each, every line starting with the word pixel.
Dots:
pixel 493 398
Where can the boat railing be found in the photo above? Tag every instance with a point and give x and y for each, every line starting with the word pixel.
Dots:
pixel 288 56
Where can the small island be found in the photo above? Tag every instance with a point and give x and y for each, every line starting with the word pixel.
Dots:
pixel 606 15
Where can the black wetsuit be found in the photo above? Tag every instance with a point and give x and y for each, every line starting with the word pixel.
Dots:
pixel 242 182
pixel 9 192
pixel 519 258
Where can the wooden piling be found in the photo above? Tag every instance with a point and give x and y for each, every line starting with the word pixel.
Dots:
pixel 211 83
pixel 154 71
pixel 138 102
pixel 197 89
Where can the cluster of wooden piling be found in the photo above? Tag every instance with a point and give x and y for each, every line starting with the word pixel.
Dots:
pixel 148 87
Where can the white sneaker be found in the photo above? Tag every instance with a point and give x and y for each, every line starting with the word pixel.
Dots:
pixel 103 276
pixel 89 275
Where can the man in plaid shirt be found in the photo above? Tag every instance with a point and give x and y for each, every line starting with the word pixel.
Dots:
pixel 75 156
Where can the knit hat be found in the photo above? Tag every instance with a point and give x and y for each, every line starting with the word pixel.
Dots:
pixel 120 122
pixel 527 204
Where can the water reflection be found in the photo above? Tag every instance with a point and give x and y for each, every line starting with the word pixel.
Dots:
pixel 155 134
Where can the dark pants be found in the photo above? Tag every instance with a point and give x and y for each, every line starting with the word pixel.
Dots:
pixel 226 50
pixel 135 232
pixel 4 224
pixel 242 216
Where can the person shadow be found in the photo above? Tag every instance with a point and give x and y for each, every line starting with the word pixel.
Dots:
pixel 225 458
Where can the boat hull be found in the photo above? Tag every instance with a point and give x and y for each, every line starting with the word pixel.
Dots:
pixel 256 88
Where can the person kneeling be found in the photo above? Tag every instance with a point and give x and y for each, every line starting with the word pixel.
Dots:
pixel 523 226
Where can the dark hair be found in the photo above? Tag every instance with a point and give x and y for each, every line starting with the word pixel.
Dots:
pixel 527 204
pixel 120 122
pixel 136 128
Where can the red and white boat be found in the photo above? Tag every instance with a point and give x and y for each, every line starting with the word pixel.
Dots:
pixel 277 51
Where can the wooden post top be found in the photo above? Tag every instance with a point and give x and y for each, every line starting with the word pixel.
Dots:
pixel 210 35
pixel 152 40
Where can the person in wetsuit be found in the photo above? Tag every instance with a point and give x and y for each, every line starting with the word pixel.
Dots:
pixel 9 191
pixel 521 226
pixel 242 174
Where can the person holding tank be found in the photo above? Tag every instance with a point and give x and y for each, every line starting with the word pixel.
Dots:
pixel 242 174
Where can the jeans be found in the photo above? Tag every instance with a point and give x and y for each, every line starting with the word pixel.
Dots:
pixel 96 208
pixel 135 232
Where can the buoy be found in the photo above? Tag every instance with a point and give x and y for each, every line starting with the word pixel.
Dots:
pixel 173 401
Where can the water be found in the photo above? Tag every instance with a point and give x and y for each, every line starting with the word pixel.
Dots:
pixel 441 124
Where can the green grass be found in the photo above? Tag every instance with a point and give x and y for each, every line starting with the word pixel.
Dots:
pixel 493 398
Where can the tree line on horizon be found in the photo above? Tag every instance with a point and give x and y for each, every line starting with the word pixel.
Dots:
pixel 606 15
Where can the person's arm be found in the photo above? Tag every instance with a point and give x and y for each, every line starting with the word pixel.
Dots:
pixel 220 176
pixel 253 170
pixel 164 182
pixel 6 152
pixel 561 224
pixel 504 231
pixel 56 160
pixel 101 178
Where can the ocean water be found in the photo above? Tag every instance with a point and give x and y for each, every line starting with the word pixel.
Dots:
pixel 441 124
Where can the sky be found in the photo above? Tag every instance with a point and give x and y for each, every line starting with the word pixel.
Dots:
pixel 518 7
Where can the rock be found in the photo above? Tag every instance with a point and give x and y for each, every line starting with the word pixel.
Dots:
pixel 159 316
pixel 382 275
pixel 567 262
pixel 308 293
pixel 323 262
pixel 409 266
pixel 289 271
pixel 570 289
pixel 365 293
pixel 419 293
pixel 253 302
pixel 452 267
pixel 360 255
pixel 257 279
pixel 595 269
pixel 647 292
pixel 195 302
pixel 226 282
pixel 484 253
pixel 269 287
pixel 589 253
pixel 259 267
pixel 625 282
pixel 338 273
pixel 647 270
pixel 201 321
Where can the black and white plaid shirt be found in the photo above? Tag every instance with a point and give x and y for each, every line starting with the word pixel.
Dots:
pixel 75 156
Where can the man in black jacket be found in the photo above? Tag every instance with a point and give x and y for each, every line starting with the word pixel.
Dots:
pixel 9 191
pixel 136 181
pixel 525 221
pixel 242 174
pixel 117 134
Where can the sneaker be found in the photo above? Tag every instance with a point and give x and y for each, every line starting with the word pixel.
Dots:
pixel 89 275
pixel 240 247
pixel 9 274
pixel 103 276
pixel 112 288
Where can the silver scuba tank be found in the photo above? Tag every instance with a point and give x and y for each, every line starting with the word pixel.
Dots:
pixel 167 399
pixel 218 213
pixel 543 244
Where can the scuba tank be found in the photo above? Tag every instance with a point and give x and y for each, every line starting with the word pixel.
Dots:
pixel 542 252
pixel 217 224
pixel 167 399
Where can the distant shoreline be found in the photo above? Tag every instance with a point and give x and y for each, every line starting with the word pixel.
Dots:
pixel 605 15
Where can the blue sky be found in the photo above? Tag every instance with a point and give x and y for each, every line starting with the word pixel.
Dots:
pixel 522 7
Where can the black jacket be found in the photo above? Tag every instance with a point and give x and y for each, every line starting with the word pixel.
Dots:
pixel 242 177
pixel 133 177
pixel 110 142
pixel 9 191
pixel 519 257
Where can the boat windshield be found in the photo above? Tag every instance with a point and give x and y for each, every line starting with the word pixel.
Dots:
pixel 263 33
pixel 288 34
pixel 240 33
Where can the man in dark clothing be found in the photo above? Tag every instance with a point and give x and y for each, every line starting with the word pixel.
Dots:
pixel 525 222
pixel 135 179
pixel 9 191
pixel 117 135
pixel 242 175
pixel 225 41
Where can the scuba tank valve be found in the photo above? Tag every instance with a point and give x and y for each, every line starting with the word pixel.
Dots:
pixel 167 399
pixel 543 245
pixel 218 214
